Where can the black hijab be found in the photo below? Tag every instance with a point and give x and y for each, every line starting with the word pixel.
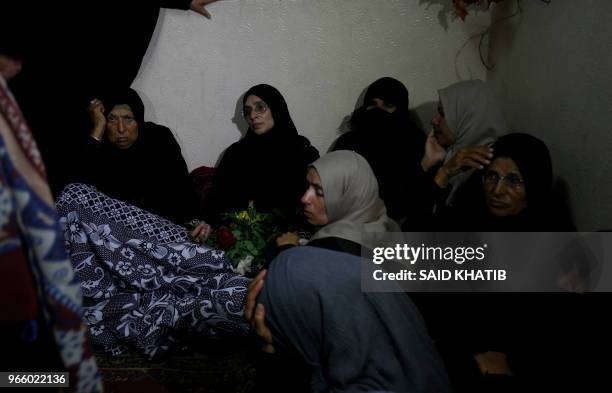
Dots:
pixel 532 158
pixel 389 90
pixel 390 142
pixel 129 97
pixel 283 131
pixel 268 169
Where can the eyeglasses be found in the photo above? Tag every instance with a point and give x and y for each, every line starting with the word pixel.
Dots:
pixel 127 120
pixel 259 108
pixel 491 178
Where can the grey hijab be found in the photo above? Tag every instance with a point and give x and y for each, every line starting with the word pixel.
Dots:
pixel 475 118
pixel 351 197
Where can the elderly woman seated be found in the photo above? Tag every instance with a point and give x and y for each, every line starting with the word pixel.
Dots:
pixel 510 194
pixel 135 161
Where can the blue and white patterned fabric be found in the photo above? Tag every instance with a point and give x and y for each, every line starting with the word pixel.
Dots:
pixel 31 241
pixel 145 284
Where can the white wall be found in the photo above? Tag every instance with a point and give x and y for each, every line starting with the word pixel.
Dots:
pixel 320 54
pixel 553 72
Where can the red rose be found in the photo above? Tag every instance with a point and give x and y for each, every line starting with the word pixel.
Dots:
pixel 225 238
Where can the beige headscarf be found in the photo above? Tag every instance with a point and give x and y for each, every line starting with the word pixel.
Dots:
pixel 351 197
pixel 474 116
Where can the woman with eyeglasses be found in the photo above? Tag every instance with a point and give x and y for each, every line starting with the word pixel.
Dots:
pixel 267 166
pixel 500 334
pixel 512 193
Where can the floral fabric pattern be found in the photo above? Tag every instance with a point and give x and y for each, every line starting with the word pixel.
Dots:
pixel 145 284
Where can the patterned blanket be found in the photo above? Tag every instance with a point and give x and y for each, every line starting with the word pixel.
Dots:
pixel 145 284
pixel 32 255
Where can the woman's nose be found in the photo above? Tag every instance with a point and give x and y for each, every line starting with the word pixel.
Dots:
pixel 499 187
pixel 435 121
pixel 305 197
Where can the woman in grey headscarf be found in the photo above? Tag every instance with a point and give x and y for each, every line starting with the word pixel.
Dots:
pixel 342 201
pixel 332 336
pixel 468 121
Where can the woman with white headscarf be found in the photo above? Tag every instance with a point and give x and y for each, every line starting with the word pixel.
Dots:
pixel 327 334
pixel 468 121
pixel 342 202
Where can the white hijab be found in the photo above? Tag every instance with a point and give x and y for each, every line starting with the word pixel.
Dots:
pixel 475 118
pixel 351 197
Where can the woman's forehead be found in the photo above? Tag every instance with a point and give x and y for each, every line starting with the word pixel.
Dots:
pixel 252 100
pixel 122 109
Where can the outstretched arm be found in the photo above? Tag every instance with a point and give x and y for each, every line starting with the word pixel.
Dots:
pixel 198 6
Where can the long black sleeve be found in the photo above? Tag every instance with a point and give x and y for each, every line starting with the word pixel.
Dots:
pixel 176 4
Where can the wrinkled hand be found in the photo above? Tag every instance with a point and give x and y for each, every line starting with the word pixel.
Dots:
pixel 199 6
pixel 96 113
pixel 201 232
pixel 255 313
pixel 475 157
pixel 434 152
pixel 288 238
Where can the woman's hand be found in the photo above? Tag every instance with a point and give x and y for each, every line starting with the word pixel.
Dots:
pixel 476 157
pixel 201 232
pixel 288 238
pixel 96 113
pixel 255 314
pixel 199 7
pixel 434 153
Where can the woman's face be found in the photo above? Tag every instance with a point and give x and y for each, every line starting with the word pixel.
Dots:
pixel 504 188
pixel 258 115
pixel 381 104
pixel 314 201
pixel 122 127
pixel 442 132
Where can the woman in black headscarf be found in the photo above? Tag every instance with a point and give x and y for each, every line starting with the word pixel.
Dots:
pixel 513 193
pixel 136 161
pixel 268 165
pixel 382 132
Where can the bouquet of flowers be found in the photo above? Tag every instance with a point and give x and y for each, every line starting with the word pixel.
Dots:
pixel 461 6
pixel 245 237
